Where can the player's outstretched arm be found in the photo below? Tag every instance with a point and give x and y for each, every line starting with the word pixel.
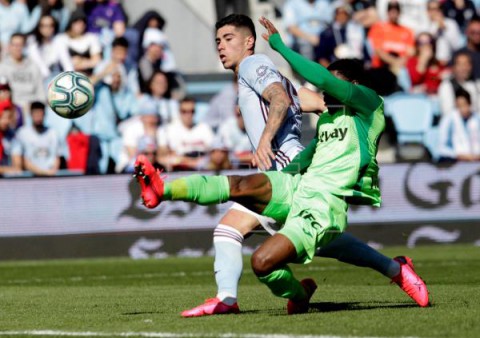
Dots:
pixel 359 97
pixel 311 101
pixel 312 72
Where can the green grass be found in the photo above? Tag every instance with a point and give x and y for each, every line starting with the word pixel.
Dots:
pixel 114 296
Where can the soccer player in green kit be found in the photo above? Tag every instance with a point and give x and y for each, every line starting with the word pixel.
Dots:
pixel 338 168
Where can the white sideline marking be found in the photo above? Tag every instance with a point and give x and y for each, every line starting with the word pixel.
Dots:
pixel 162 334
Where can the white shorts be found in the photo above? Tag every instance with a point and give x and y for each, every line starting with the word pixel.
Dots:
pixel 269 224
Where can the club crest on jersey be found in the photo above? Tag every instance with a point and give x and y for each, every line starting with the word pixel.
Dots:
pixel 262 70
pixel 336 133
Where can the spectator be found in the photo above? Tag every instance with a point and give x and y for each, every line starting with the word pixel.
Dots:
pixel 7 135
pixel 114 102
pixel 425 70
pixel 115 64
pixel 222 105
pixel 23 75
pixel 445 30
pixel 459 138
pixel 146 146
pixel 104 14
pixel 233 136
pixel 218 159
pixel 159 94
pixel 182 144
pixel 132 131
pixel 364 12
pixel 37 146
pixel 461 77
pixel 343 39
pixel 150 19
pixel 54 8
pixel 304 21
pixel 391 42
pixel 6 98
pixel 462 11
pixel 84 48
pixel 107 20
pixel 14 18
pixel 473 45
pixel 157 56
pixel 413 14
pixel 45 50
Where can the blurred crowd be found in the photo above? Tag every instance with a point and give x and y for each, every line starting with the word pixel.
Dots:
pixel 422 48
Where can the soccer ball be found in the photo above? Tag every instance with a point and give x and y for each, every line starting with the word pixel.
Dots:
pixel 70 94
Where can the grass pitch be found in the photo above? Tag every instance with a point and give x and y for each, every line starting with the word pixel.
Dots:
pixel 122 297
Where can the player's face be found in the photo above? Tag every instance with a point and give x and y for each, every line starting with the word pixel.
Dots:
pixel 338 75
pixel 233 45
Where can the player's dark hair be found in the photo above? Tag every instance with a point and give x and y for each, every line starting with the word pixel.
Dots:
pixel 351 69
pixel 238 21
pixel 460 92
pixel 120 42
pixel 37 105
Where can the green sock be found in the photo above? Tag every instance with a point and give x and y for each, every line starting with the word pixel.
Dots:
pixel 203 190
pixel 283 284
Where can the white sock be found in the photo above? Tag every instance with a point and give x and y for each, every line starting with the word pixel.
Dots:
pixel 228 265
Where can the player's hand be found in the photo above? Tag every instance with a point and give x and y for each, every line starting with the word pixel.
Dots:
pixel 263 156
pixel 271 29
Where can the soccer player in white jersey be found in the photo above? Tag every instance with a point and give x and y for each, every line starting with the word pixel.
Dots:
pixel 271 109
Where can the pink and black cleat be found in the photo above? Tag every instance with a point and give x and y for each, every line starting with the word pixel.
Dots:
pixel 410 282
pixel 212 306
pixel 150 181
pixel 302 306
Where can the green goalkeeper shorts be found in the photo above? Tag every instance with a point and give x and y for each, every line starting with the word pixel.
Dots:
pixel 316 217
pixel 283 188
pixel 312 216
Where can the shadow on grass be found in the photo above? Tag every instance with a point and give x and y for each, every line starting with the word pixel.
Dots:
pixel 352 306
pixel 334 307
pixel 136 313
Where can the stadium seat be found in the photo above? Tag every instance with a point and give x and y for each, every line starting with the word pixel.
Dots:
pixel 412 116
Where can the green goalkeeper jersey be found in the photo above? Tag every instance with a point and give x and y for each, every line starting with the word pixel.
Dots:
pixel 343 153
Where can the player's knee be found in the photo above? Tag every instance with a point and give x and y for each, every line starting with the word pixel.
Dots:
pixel 238 186
pixel 262 263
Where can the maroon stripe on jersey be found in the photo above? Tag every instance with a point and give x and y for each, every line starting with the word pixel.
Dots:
pixel 284 156
pixel 228 234
pixel 278 157
pixel 280 161
pixel 263 109
pixel 291 91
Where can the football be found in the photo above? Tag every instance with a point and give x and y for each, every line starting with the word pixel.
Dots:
pixel 70 94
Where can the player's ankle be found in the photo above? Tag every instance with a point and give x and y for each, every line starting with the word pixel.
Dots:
pixel 227 298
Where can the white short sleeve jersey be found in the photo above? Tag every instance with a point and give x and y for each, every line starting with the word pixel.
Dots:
pixel 256 73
